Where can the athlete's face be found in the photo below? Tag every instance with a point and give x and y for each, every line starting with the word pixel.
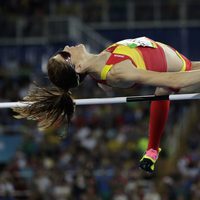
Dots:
pixel 77 52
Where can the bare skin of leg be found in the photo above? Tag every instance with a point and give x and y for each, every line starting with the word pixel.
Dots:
pixel 162 91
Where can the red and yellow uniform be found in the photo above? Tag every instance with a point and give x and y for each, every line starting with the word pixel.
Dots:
pixel 143 52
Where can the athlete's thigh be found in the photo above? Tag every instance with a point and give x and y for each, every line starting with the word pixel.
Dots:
pixel 162 91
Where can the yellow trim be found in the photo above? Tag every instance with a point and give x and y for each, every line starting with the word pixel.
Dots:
pixel 133 53
pixel 105 71
pixel 148 158
pixel 184 63
pixel 154 44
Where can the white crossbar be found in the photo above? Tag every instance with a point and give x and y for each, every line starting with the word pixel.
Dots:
pixel 115 100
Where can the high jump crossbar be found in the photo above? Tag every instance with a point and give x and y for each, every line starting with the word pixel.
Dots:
pixel 116 100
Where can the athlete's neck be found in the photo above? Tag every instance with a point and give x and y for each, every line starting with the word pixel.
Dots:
pixel 90 63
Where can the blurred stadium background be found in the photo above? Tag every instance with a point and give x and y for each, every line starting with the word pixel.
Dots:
pixel 99 158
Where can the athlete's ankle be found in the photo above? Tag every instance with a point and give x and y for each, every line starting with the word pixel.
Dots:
pixel 152 153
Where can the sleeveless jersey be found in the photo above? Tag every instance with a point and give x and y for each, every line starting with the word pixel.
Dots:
pixel 143 52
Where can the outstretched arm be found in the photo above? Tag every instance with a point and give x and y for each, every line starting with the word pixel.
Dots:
pixel 174 80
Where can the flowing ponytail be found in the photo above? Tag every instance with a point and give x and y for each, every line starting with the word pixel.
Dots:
pixel 50 107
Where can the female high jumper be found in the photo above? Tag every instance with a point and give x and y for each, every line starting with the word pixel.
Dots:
pixel 121 65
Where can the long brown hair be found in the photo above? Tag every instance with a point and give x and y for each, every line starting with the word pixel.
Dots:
pixel 53 105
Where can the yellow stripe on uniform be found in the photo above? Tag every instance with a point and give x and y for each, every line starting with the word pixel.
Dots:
pixel 184 63
pixel 104 71
pixel 133 53
pixel 154 44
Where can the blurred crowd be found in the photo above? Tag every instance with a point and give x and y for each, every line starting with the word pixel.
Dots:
pixel 30 15
pixel 98 160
